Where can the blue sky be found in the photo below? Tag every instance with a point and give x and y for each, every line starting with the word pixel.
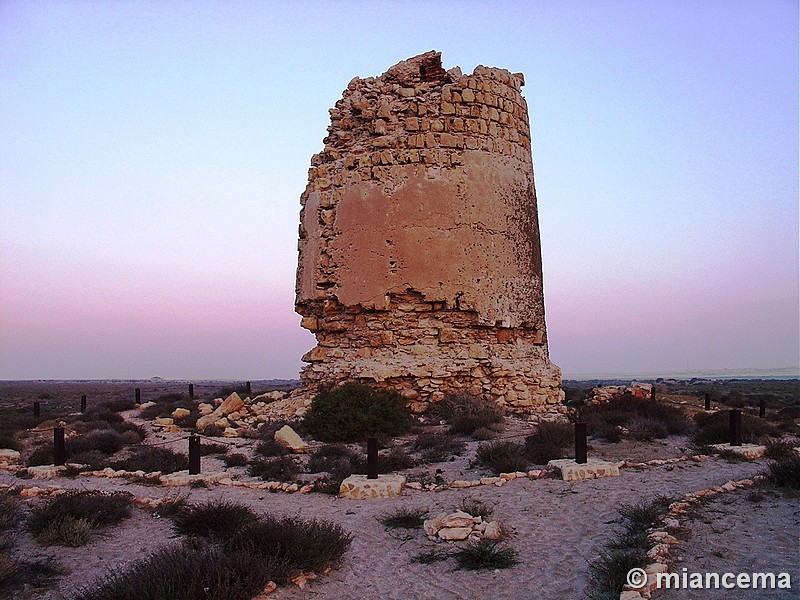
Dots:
pixel 153 155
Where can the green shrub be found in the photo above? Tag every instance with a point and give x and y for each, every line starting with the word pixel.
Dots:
pixel 485 554
pixel 235 460
pixel 297 544
pixel 271 448
pixel 610 572
pixel 9 512
pixel 209 448
pixel 7 440
pixel 93 458
pixel 437 447
pixel 336 459
pixel 150 459
pixel 106 441
pixel 282 468
pixel 353 411
pixel 119 404
pixel 476 507
pixel 41 455
pixel 604 419
pixel 99 509
pixel 404 518
pixel 65 531
pixel 388 462
pixel 549 441
pixel 466 413
pixel 503 457
pixel 219 519
pixel 185 572
pixel 714 428
pixel 777 449
pixel 627 550
pixel 646 429
pixel 484 434
pixel 785 472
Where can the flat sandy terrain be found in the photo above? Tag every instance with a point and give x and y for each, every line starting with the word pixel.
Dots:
pixel 557 528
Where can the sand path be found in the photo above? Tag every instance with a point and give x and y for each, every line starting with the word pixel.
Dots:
pixel 558 530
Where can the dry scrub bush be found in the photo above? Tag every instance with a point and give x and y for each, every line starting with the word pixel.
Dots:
pixel 354 411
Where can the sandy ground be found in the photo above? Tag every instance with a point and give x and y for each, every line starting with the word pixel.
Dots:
pixel 558 528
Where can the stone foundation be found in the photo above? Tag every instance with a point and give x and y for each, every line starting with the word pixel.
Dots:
pixel 593 468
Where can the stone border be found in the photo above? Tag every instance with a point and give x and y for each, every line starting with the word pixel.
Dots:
pixel 663 537
pixel 182 478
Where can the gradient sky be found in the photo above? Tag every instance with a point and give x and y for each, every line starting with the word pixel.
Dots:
pixel 152 156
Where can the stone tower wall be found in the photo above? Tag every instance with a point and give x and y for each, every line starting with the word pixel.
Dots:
pixel 419 265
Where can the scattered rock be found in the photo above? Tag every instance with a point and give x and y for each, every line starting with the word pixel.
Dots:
pixel 180 413
pixel 288 438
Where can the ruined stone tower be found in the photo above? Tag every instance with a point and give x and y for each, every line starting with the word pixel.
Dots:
pixel 420 265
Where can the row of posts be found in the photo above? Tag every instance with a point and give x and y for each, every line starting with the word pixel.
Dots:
pixel 37 405
pixel 735 431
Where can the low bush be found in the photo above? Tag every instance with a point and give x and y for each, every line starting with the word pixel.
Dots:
pixel 485 554
pixel 106 441
pixel 605 419
pixel 396 459
pixel 628 549
pixel 484 434
pixel 8 440
pixel 9 511
pixel 404 518
pixel 467 413
pixel 476 507
pixel 328 485
pixel 336 459
pixel 437 447
pixel 119 404
pixel 235 460
pixel 219 519
pixel 271 448
pixel 646 429
pixel 503 457
pixel 550 441
pixel 93 458
pixel 25 574
pixel 777 449
pixel 98 509
pixel 353 411
pixel 185 572
pixel 65 531
pixel 282 468
pixel 209 448
pixel 785 472
pixel 295 544
pixel 41 455
pixel 714 428
pixel 150 459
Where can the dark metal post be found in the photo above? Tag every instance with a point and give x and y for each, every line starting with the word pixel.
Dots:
pixel 59 456
pixel 37 409
pixel 762 408
pixel 83 403
pixel 372 458
pixel 191 391
pixel 138 392
pixel 194 455
pixel 736 427
pixel 653 393
pixel 580 443
pixel 247 385
pixel 708 401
